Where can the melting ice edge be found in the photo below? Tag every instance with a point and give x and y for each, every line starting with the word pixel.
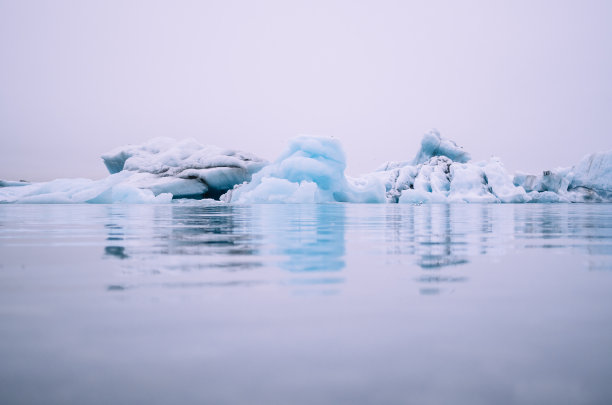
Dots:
pixel 311 170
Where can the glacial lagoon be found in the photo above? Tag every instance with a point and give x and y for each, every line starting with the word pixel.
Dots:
pixel 306 303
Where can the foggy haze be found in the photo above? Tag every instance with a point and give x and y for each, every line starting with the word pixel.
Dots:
pixel 528 81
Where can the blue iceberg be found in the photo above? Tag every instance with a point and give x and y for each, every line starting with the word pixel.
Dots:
pixel 310 171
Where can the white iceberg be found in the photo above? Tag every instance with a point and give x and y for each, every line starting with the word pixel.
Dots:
pixel 154 172
pixel 186 169
pixel 588 181
pixel 441 179
pixel 593 174
pixel 112 189
pixel 443 173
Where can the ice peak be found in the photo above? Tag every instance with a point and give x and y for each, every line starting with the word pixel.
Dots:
pixel 433 144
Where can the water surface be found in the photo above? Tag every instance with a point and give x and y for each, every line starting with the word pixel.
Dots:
pixel 302 304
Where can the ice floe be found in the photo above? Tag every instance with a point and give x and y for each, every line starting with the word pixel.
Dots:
pixel 112 189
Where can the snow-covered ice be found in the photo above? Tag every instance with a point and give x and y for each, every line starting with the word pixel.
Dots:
pixel 154 172
pixel 312 170
pixel 588 181
pixel 185 168
pixel 442 172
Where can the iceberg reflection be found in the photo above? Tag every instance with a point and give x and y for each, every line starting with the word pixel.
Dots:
pixel 309 237
pixel 229 238
pixel 308 240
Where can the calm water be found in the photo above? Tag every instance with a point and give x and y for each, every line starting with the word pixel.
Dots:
pixel 305 304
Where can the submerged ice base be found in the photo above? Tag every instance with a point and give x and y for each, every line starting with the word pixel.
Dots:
pixel 312 170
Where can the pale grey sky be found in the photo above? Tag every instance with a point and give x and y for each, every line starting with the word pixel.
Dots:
pixel 528 81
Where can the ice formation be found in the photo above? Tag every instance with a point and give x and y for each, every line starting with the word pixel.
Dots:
pixel 434 145
pixel 441 180
pixel 442 172
pixel 113 189
pixel 589 180
pixel 155 172
pixel 186 169
pixel 311 170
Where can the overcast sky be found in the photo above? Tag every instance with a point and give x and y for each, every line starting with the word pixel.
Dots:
pixel 528 81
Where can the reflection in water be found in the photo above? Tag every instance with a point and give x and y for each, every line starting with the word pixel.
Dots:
pixel 442 237
pixel 429 233
pixel 184 238
pixel 437 240
pixel 438 243
pixel 558 227
pixel 297 238
pixel 206 230
pixel 310 240
pixel 116 251
pixel 115 234
pixel 286 304
pixel 311 237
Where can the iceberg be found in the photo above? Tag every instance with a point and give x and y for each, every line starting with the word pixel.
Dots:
pixel 112 189
pixel 588 181
pixel 312 170
pixel 434 145
pixel 154 172
pixel 186 169
pixel 440 179
pixel 442 172
pixel 593 176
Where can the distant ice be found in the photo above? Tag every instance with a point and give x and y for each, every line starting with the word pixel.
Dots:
pixel 311 170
